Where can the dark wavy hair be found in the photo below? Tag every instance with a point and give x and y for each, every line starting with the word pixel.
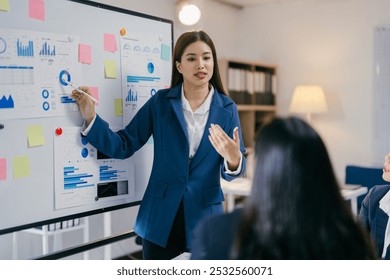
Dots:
pixel 182 43
pixel 296 210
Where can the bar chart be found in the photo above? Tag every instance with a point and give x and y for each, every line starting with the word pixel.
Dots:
pixel 25 49
pixel 73 178
pixel 47 50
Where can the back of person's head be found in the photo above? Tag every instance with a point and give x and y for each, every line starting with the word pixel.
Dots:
pixel 296 210
pixel 186 39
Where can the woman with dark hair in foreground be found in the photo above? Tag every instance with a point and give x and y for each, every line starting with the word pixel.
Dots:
pixel 295 210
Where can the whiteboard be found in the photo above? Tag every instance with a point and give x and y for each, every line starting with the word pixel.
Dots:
pixel 47 172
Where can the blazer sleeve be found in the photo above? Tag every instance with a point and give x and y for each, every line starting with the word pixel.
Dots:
pixel 123 143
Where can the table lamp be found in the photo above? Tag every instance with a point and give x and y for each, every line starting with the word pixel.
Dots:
pixel 308 100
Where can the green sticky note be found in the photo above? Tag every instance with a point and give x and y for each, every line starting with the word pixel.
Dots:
pixel 21 167
pixel 118 107
pixel 165 52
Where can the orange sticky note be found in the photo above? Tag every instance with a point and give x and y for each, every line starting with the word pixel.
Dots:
pixel 85 54
pixel 36 9
pixel 95 93
pixel 3 169
pixel 110 43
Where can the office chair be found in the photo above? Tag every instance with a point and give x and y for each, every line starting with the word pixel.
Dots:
pixel 365 176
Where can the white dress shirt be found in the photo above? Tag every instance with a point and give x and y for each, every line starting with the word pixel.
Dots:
pixel 196 125
pixel 384 204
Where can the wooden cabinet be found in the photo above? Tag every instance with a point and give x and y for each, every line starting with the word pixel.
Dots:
pixel 252 86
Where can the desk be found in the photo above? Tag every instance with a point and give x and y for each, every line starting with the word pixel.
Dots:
pixel 242 187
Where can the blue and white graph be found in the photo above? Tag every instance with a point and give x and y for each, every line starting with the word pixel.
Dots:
pixel 7 102
pixel 79 172
pixel 25 49
pixel 31 65
pixel 17 75
pixel 47 50
pixel 132 96
pixel 108 173
pixel 73 178
pixel 3 45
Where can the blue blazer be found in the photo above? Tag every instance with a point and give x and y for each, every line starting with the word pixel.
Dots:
pixel 174 178
pixel 375 219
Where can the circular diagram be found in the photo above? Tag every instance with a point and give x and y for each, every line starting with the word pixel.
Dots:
pixel 45 106
pixel 64 75
pixel 150 68
pixel 3 45
pixel 45 93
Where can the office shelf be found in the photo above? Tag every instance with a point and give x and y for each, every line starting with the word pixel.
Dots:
pixel 252 86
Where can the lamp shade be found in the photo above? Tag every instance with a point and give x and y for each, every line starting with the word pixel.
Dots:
pixel 308 99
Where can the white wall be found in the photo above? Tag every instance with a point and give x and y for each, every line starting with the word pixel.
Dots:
pixel 329 43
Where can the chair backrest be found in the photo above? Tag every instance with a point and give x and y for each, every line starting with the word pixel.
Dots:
pixel 365 176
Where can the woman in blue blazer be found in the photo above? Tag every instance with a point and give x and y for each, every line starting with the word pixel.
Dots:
pixel 375 211
pixel 197 139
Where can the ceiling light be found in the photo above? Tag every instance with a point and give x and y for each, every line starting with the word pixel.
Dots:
pixel 189 14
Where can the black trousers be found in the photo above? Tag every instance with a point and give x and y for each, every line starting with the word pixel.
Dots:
pixel 176 241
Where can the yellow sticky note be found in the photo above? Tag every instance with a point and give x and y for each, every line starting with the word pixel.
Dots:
pixel 35 136
pixel 110 69
pixel 118 107
pixel 4 5
pixel 21 167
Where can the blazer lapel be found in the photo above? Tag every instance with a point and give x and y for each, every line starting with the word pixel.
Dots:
pixel 175 98
pixel 217 115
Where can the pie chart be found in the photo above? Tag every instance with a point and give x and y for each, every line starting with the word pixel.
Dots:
pixel 3 45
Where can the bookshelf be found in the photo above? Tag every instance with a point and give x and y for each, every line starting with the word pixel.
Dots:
pixel 252 86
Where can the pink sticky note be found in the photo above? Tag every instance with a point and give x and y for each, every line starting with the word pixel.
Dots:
pixel 36 9
pixel 110 43
pixel 95 93
pixel 3 169
pixel 85 54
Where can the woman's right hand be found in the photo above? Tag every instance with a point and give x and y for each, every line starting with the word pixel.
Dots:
pixel 85 104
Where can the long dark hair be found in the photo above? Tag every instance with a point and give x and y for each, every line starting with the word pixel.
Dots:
pixel 296 210
pixel 182 43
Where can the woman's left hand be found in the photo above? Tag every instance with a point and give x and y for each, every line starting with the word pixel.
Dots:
pixel 227 147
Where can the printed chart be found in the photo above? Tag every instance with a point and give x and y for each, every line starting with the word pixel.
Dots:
pixel 31 66
pixel 143 67
pixel 85 176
